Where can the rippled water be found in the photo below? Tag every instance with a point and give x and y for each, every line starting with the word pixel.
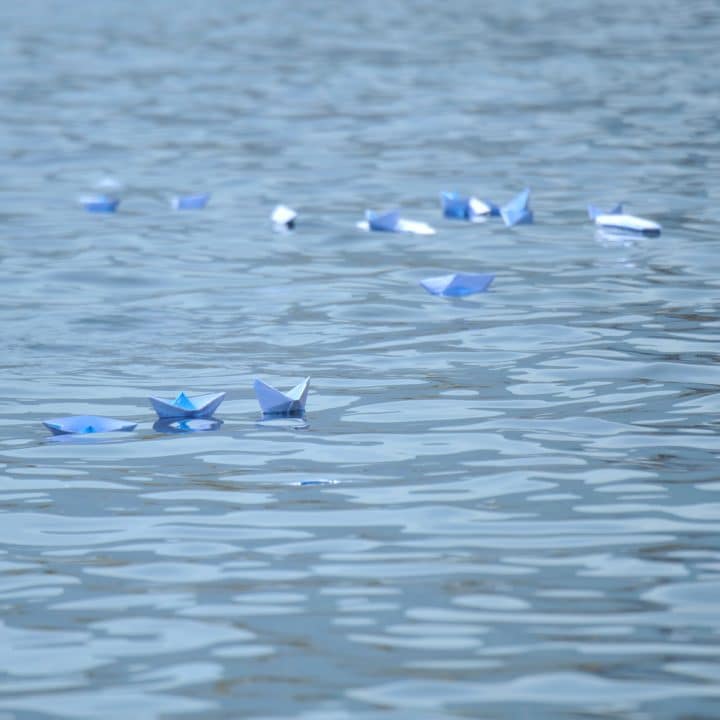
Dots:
pixel 503 506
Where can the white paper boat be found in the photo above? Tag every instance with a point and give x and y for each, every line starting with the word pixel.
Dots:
pixel 616 221
pixel 274 402
pixel 392 222
pixel 283 218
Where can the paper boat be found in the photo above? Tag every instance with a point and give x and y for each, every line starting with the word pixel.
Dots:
pixel 82 424
pixel 190 202
pixel 517 211
pixel 392 222
pixel 457 284
pixel 283 218
pixel 99 203
pixel 274 402
pixel 199 406
pixel 461 207
pixel 615 221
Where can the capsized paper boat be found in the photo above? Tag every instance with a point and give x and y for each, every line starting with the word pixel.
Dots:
pixel 517 211
pixel 462 207
pixel 99 203
pixel 183 406
pixel 615 221
pixel 283 217
pixel 275 402
pixel 190 202
pixel 392 222
pixel 458 284
pixel 82 424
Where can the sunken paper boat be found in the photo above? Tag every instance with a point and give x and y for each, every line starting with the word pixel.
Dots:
pixel 274 402
pixel 392 222
pixel 85 424
pixel 99 203
pixel 184 406
pixel 517 211
pixel 283 218
pixel 458 284
pixel 190 202
pixel 616 221
pixel 462 207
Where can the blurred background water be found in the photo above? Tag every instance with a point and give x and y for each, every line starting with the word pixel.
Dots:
pixel 501 507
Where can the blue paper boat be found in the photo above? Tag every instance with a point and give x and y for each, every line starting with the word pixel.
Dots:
pixel 199 406
pixel 517 211
pixel 462 207
pixel 83 424
pixel 283 218
pixel 615 221
pixel 275 402
pixel 190 202
pixel 457 284
pixel 392 222
pixel 383 222
pixel 99 203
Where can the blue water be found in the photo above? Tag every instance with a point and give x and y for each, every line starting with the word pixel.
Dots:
pixel 500 506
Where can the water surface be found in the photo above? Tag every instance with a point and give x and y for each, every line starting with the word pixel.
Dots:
pixel 501 504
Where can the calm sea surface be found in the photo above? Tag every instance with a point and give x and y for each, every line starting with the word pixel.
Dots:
pixel 505 506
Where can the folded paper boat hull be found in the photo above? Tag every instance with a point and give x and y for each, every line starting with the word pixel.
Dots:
pixel 274 402
pixel 517 211
pixel 458 284
pixel 99 203
pixel 190 202
pixel 460 207
pixel 205 406
pixel 628 224
pixel 85 424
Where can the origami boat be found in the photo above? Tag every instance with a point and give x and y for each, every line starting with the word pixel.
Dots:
pixel 183 406
pixel 274 402
pixel 283 218
pixel 458 284
pixel 99 203
pixel 462 207
pixel 83 424
pixel 517 211
pixel 615 221
pixel 190 202
pixel 392 222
